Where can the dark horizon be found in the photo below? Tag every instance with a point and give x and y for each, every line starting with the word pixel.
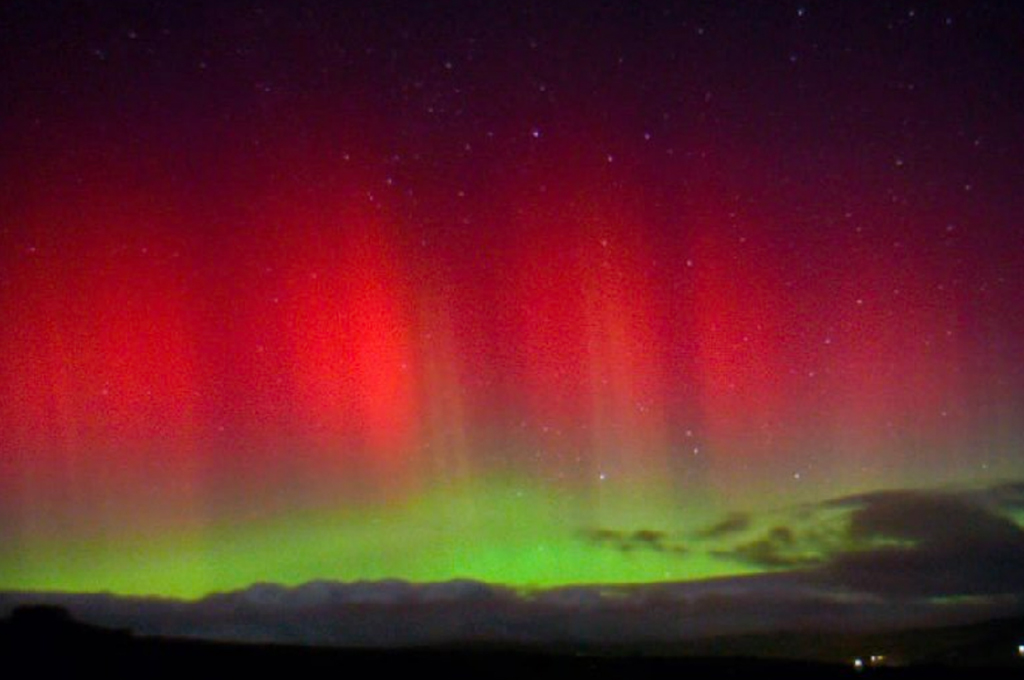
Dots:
pixel 51 639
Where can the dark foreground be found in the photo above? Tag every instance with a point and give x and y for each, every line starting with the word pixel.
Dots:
pixel 45 640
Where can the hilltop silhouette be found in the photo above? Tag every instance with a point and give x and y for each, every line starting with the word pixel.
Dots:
pixel 47 639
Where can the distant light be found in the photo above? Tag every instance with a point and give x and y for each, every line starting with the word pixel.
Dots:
pixel 1020 651
pixel 858 664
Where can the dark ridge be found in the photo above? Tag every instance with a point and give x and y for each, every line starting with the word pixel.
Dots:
pixel 44 640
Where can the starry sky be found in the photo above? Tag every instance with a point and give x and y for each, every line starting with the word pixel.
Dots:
pixel 515 292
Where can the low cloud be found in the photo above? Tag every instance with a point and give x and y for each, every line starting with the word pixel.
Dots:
pixel 635 540
pixel 899 544
pixel 735 523
pixel 779 548
pixel 919 544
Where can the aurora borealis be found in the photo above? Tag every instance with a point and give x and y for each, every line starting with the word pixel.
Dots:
pixel 295 291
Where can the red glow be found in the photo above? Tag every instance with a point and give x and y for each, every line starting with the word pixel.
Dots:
pixel 349 330
pixel 310 330
pixel 739 309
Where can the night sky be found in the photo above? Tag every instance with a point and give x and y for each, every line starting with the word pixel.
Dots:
pixel 530 293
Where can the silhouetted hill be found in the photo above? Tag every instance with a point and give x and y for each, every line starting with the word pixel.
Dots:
pixel 46 640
